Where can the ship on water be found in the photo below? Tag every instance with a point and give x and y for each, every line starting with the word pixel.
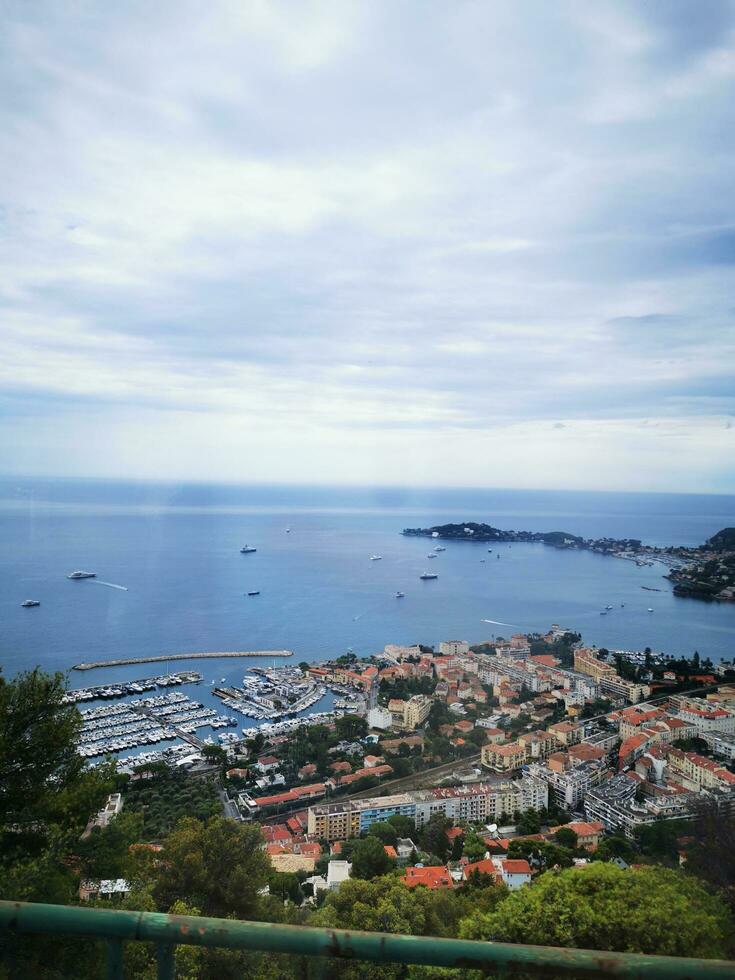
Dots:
pixel 78 575
pixel 29 603
pixel 428 575
pixel 247 550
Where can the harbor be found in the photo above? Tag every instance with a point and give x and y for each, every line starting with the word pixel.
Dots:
pixel 272 693
pixel 164 658
pixel 121 690
pixel 114 728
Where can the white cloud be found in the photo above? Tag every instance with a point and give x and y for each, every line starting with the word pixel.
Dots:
pixel 369 235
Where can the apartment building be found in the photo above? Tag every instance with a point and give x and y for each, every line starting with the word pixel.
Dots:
pixel 632 691
pixel 568 782
pixel 454 648
pixel 539 744
pixel 476 801
pixel 416 711
pixel 697 772
pixel 504 758
pixel 586 662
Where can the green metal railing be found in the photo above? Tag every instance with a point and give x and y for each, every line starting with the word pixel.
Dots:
pixel 168 931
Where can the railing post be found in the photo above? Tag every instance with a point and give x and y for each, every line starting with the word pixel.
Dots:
pixel 114 959
pixel 165 960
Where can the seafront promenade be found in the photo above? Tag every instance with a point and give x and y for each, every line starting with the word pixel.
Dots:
pixel 93 664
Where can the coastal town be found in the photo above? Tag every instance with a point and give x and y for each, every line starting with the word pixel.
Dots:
pixel 507 747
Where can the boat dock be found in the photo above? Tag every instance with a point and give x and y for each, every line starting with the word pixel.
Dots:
pixel 104 691
pixel 163 658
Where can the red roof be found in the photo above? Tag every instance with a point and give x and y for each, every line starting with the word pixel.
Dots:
pixel 390 851
pixel 453 832
pixel 516 867
pixel 432 877
pixel 486 867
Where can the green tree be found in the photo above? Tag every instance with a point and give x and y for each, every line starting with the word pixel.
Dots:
pixel 369 859
pixel 218 866
pixel 434 838
pixel 286 886
pixel 38 738
pixel 474 848
pixel 350 727
pixel 566 837
pixel 214 754
pixel 603 907
pixel 106 852
pixel 528 823
pixel 385 832
pixel 404 826
pixel 659 839
pixel 615 845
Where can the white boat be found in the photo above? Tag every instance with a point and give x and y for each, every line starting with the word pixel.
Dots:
pixel 439 548
pixel 247 550
pixel 431 556
pixel 29 603
pixel 376 557
pixel 650 609
pixel 78 575
pixel 400 595
pixel 428 575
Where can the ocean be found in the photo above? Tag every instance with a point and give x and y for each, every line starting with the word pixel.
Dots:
pixel 176 549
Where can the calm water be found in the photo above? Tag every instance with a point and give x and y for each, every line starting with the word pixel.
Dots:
pixel 176 549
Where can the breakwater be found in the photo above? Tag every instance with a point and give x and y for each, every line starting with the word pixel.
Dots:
pixel 93 664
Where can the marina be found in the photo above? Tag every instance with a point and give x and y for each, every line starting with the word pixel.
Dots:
pixel 120 727
pixel 132 687
pixel 274 693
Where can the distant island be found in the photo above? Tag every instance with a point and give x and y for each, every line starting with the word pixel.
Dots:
pixel 703 572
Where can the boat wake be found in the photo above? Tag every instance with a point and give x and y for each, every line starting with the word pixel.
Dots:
pixel 110 585
pixel 496 622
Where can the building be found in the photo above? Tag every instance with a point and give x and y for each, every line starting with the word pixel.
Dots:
pixel 721 744
pixel 696 772
pixel 586 662
pixel 112 807
pixel 432 877
pixel 539 744
pixel 588 832
pixel 380 718
pixel 454 648
pixel 567 732
pixel 416 711
pixel 504 758
pixel 568 782
pixel 515 873
pixel 473 801
pixel 107 888
pixel 632 691
pixel 337 872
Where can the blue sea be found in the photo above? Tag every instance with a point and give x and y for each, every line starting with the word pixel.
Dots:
pixel 176 550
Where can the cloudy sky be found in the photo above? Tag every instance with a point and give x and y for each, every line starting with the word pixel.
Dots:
pixel 481 243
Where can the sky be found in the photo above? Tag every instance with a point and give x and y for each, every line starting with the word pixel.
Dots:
pixel 401 243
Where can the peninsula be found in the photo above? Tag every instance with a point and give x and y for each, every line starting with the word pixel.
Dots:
pixel 703 572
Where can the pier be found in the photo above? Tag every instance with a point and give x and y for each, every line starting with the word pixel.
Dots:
pixel 92 665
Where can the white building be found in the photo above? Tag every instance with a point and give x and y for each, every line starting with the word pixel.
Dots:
pixel 379 718
pixel 454 648
pixel 337 872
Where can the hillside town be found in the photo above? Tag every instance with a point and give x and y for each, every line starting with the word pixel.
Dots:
pixel 470 760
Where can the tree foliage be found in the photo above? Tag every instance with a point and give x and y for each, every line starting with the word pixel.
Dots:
pixel 218 866
pixel 602 907
pixel 369 859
